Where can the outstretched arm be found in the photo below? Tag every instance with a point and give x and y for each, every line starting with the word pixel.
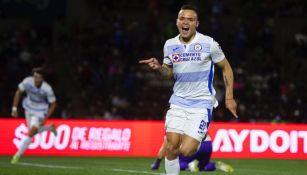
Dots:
pixel 228 80
pixel 165 70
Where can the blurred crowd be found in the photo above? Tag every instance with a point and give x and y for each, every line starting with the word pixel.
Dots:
pixel 93 65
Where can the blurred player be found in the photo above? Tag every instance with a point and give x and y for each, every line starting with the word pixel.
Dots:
pixel 190 58
pixel 200 161
pixel 39 104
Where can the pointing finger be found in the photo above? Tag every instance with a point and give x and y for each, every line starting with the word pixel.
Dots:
pixel 146 61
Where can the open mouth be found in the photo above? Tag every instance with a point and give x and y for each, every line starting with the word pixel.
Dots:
pixel 185 30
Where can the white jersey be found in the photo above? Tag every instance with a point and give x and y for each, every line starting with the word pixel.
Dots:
pixel 193 71
pixel 37 99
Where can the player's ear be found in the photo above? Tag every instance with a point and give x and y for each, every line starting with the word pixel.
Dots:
pixel 197 23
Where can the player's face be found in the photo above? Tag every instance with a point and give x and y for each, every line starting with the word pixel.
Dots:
pixel 187 23
pixel 38 79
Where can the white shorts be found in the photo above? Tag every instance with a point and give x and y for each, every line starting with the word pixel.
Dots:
pixel 192 123
pixel 34 118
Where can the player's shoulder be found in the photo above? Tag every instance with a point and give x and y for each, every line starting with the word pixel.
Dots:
pixel 46 86
pixel 28 79
pixel 205 38
pixel 172 41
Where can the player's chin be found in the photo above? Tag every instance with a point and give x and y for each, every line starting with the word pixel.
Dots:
pixel 185 35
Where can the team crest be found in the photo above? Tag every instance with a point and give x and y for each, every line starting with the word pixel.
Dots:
pixel 197 47
pixel 176 58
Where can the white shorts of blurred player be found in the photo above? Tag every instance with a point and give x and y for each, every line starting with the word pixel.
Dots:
pixel 35 118
pixel 191 122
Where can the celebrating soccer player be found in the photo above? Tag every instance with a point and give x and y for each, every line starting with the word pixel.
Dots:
pixel 190 58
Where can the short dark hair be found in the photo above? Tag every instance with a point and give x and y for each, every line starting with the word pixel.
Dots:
pixel 38 70
pixel 189 7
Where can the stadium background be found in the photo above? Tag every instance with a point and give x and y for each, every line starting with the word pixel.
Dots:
pixel 91 48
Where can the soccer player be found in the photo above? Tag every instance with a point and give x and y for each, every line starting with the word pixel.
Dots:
pixel 189 58
pixel 39 104
pixel 200 161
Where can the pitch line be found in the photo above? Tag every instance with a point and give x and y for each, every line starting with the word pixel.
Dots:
pixel 48 166
pixel 134 171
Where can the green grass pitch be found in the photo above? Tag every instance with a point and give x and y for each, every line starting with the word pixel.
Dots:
pixel 139 166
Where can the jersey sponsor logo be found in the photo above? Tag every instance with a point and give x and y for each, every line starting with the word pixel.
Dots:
pixel 176 58
pixel 176 49
pixel 186 57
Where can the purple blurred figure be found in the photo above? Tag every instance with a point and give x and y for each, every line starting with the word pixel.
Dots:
pixel 200 161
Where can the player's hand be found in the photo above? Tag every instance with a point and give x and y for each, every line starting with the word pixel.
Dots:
pixel 153 63
pixel 14 114
pixel 231 105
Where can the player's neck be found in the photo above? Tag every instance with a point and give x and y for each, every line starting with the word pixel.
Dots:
pixel 187 40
